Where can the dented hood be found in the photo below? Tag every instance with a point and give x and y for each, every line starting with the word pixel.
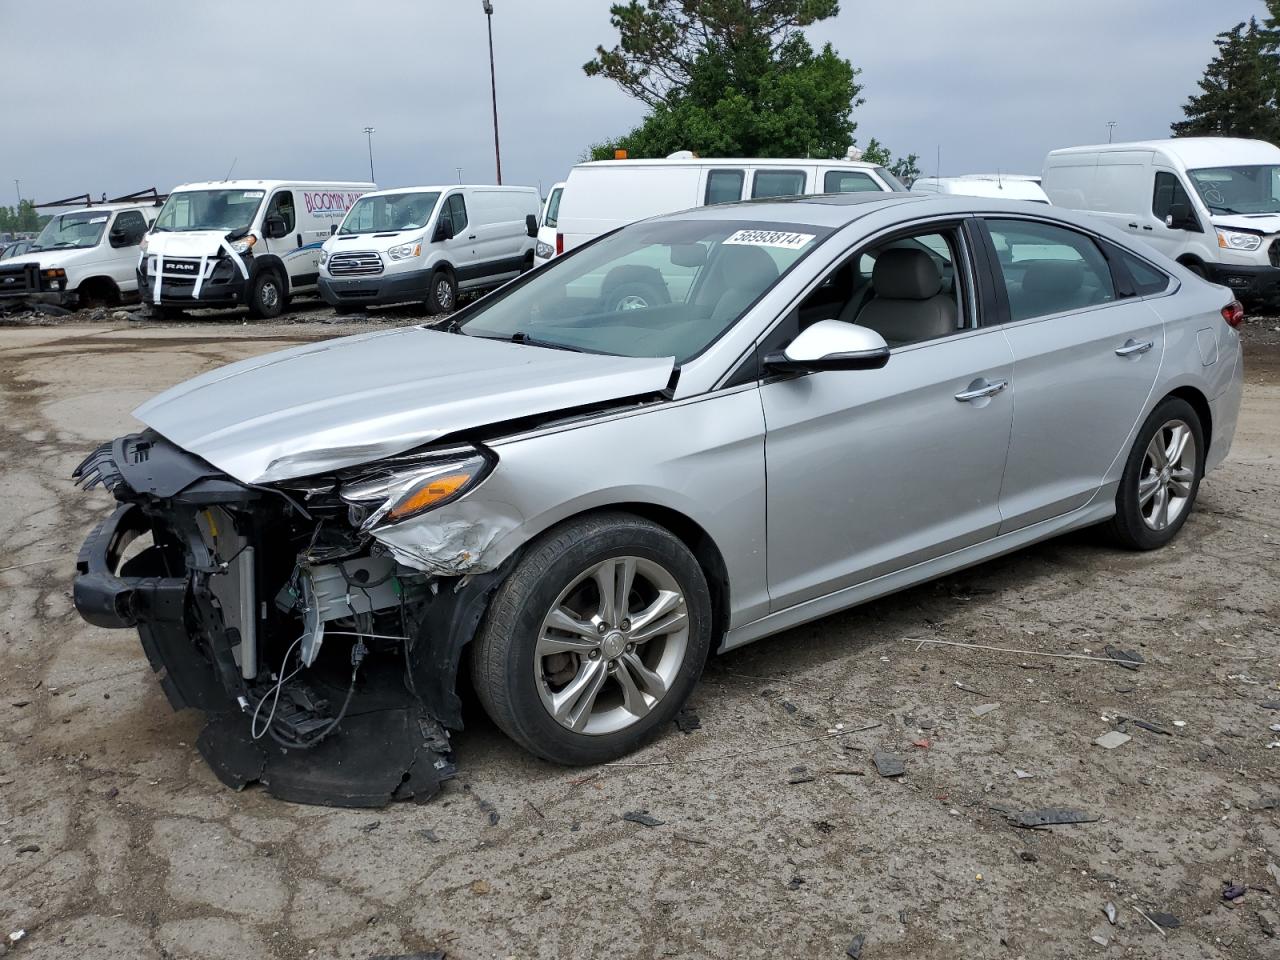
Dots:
pixel 354 400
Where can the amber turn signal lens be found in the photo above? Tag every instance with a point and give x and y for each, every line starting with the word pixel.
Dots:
pixel 427 494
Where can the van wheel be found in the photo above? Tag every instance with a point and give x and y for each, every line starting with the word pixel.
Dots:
pixel 267 297
pixel 442 295
pixel 98 292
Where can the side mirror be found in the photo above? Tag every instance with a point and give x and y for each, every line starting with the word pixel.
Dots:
pixel 1181 218
pixel 531 225
pixel 274 227
pixel 444 231
pixel 831 345
pixel 333 228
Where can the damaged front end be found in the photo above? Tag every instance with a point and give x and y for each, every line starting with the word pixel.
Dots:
pixel 325 664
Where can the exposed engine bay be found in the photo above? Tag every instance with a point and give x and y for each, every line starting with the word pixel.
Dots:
pixel 325 667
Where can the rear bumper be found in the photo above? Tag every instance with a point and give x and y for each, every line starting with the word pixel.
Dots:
pixel 362 291
pixel 1248 282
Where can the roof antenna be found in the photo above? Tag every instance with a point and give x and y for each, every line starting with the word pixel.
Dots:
pixel 999 179
pixel 231 168
pixel 937 170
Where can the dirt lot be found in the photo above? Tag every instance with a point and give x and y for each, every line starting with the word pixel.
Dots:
pixel 776 839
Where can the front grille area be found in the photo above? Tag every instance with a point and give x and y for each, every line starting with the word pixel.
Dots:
pixel 1273 253
pixel 18 279
pixel 360 263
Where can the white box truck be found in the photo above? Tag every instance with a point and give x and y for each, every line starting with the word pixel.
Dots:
pixel 1211 203
pixel 252 242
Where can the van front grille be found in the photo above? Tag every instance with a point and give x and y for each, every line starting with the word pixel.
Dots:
pixel 360 263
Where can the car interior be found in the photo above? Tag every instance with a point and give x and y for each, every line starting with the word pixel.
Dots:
pixel 1049 270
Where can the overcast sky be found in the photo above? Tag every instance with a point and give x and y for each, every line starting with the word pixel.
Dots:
pixel 116 96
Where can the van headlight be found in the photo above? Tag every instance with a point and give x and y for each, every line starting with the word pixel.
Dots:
pixel 544 250
pixel 403 487
pixel 1234 240
pixel 405 251
pixel 324 257
pixel 244 245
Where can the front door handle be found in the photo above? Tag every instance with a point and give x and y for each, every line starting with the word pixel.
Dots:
pixel 981 388
pixel 1132 346
pixel 1133 226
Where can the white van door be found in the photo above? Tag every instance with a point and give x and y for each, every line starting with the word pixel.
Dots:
pixel 1171 224
pixel 458 239
pixel 280 236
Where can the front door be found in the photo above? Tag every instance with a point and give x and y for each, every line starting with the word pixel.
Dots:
pixel 1085 362
pixel 1170 197
pixel 871 471
pixel 281 237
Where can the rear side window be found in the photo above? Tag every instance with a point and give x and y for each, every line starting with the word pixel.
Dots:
pixel 777 183
pixel 849 181
pixel 1169 193
pixel 724 186
pixel 1147 280
pixel 1049 269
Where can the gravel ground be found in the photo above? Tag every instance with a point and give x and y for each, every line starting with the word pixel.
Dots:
pixel 777 838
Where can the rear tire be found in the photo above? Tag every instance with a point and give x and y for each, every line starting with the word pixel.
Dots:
pixel 267 296
pixel 1161 477
pixel 442 293
pixel 579 674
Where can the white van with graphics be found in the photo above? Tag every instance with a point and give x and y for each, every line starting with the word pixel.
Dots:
pixel 228 242
pixel 427 243
pixel 82 257
pixel 1211 203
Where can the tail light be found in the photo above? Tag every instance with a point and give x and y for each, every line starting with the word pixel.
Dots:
pixel 559 244
pixel 1233 313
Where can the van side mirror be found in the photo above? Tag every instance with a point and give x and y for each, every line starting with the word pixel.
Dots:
pixel 444 231
pixel 1181 218
pixel 531 225
pixel 831 345
pixel 333 228
pixel 274 227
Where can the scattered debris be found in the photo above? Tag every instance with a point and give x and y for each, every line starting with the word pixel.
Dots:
pixel 1045 816
pixel 1268 803
pixel 800 775
pixel 1022 774
pixel 922 744
pixel 1150 921
pixel 1152 727
pixel 1109 909
pixel 696 841
pixel 1234 892
pixel 428 835
pixel 371 826
pixel 687 721
pixel 1274 871
pixel 1166 920
pixel 887 765
pixel 734 755
pixel 1099 940
pixel 29 848
pixel 1113 739
pixel 1026 856
pixel 788 706
pixel 642 817
pixel 795 883
pixel 1269 920
pixel 429 955
pixel 21 703
pixel 982 709
pixel 854 949
pixel 1129 659
pixel 1270 704
pixel 1179 723
pixel 17 935
pixel 480 887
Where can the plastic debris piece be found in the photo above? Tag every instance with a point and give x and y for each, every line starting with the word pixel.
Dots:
pixel 887 765
pixel 687 721
pixel 854 949
pixel 1166 920
pixel 1109 909
pixel 17 935
pixel 982 709
pixel 1179 723
pixel 1113 739
pixel 1270 704
pixel 1023 775
pixel 1026 856
pixel 1152 727
pixel 922 744
pixel 1047 817
pixel 1099 940
pixel 1129 659
pixel 795 883
pixel 642 817
pixel 429 955
pixel 1234 892
pixel 800 775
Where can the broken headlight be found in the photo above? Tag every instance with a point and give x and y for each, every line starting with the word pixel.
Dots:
pixel 404 487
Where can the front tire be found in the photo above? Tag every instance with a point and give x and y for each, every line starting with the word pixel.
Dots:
pixel 1161 478
pixel 442 296
pixel 595 640
pixel 267 296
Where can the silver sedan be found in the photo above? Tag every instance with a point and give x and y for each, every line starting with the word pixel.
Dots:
pixel 689 434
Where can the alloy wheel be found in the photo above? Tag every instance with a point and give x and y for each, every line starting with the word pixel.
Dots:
pixel 1168 475
pixel 444 294
pixel 270 295
pixel 611 645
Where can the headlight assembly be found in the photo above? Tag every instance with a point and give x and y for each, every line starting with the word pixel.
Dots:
pixel 544 250
pixel 324 257
pixel 405 251
pixel 1235 240
pixel 244 245
pixel 403 487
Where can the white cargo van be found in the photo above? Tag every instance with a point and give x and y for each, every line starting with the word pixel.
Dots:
pixel 1211 203
pixel 546 247
pixel 427 243
pixel 82 257
pixel 605 194
pixel 228 242
pixel 996 186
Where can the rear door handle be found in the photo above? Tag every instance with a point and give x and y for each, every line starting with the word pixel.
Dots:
pixel 1132 346
pixel 981 388
pixel 1133 226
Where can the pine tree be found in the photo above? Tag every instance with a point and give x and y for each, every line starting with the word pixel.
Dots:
pixel 1238 95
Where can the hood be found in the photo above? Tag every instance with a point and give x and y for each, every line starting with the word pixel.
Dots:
pixel 187 243
pixel 48 259
pixel 1267 223
pixel 354 400
pixel 381 240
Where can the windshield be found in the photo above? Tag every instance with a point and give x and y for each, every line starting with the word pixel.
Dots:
pixel 389 213
pixel 666 288
pixel 71 230
pixel 222 210
pixel 1253 189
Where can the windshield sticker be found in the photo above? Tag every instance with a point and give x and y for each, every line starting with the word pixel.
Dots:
pixel 98 220
pixel 253 194
pixel 770 238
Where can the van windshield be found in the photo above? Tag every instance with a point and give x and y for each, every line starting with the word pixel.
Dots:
pixel 389 213
pixel 72 230
pixel 223 210
pixel 658 288
pixel 1253 189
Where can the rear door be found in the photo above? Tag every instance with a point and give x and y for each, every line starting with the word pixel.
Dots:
pixel 1085 362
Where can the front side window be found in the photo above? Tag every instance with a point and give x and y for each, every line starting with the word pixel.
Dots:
pixel 222 210
pixel 724 186
pixel 282 207
pixel 1169 193
pixel 1049 269
pixel 457 213
pixel 849 181
pixel 69 231
pixel 777 183
pixel 553 208
pixel 1251 189
pixel 665 288
pixel 128 229
pixel 389 213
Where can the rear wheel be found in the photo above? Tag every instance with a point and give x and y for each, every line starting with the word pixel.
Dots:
pixel 442 295
pixel 595 640
pixel 267 296
pixel 1161 478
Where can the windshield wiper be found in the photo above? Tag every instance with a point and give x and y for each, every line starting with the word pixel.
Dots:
pixel 523 338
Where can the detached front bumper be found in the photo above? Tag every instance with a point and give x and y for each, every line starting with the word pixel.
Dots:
pixel 371 291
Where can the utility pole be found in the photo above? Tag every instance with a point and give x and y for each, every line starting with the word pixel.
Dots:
pixel 17 188
pixel 368 132
pixel 1111 128
pixel 493 89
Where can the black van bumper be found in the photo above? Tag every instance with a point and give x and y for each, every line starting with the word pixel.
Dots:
pixel 372 291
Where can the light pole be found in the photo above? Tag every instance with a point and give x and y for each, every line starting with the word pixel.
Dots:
pixel 459 169
pixel 493 89
pixel 368 132
pixel 17 188
pixel 1111 129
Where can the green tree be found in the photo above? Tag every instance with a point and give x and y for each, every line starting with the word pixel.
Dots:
pixel 906 169
pixel 731 78
pixel 1238 93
